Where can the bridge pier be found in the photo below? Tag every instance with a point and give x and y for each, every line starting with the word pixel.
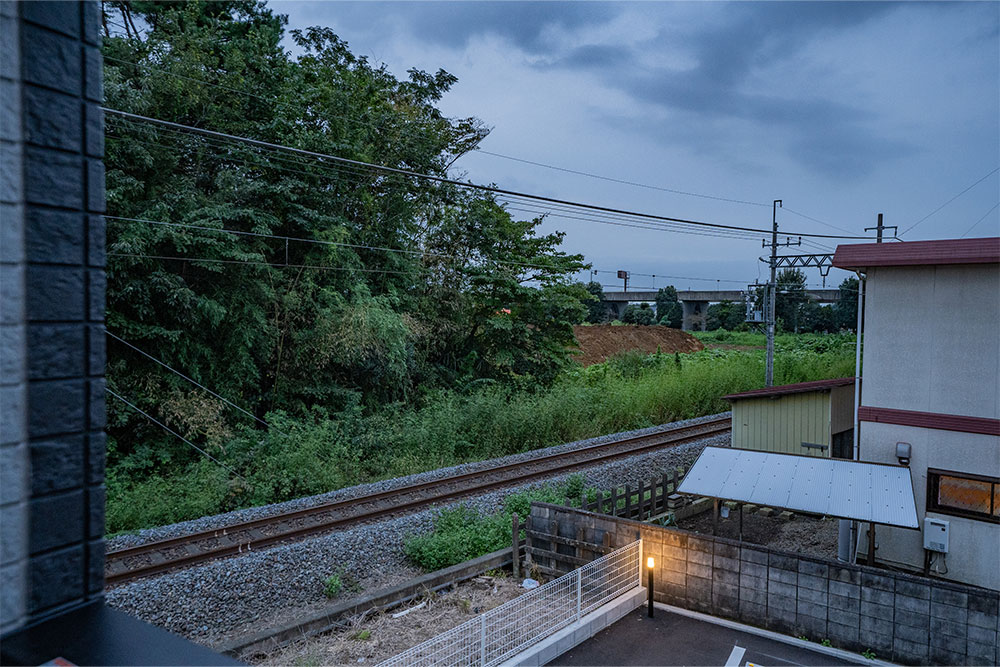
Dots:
pixel 694 315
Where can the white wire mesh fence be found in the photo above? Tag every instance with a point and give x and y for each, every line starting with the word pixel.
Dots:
pixel 514 626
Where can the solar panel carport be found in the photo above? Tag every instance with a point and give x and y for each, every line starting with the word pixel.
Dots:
pixel 873 492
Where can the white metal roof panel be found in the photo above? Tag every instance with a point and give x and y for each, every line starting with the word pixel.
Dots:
pixel 847 489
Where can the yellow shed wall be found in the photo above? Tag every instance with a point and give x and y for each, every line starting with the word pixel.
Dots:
pixel 782 424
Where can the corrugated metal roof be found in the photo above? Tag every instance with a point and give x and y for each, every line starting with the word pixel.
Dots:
pixel 797 388
pixel 918 253
pixel 857 490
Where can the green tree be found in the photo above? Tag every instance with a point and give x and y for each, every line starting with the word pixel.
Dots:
pixel 791 297
pixel 404 284
pixel 640 313
pixel 596 309
pixel 728 315
pixel 845 311
pixel 668 309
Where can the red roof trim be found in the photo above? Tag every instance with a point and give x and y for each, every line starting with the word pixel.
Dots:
pixel 935 420
pixel 918 253
pixel 798 388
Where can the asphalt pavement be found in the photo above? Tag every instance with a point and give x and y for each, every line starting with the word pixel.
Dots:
pixel 673 639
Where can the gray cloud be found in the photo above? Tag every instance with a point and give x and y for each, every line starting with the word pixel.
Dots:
pixel 454 24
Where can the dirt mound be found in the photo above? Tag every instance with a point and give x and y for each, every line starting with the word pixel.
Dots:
pixel 600 341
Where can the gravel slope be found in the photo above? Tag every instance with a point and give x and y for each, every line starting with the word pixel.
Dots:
pixel 225 599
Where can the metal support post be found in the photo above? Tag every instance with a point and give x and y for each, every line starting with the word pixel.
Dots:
pixel 482 640
pixel 871 544
pixel 649 587
pixel 579 592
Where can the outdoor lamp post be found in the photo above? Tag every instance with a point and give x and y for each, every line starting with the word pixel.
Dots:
pixel 649 583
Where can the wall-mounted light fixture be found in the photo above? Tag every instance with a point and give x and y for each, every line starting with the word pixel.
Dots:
pixel 649 583
pixel 903 450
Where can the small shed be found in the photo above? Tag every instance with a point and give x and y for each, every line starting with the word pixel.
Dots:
pixel 812 418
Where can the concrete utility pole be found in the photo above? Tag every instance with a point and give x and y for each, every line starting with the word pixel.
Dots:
pixel 772 290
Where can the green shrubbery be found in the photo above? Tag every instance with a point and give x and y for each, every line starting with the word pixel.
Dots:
pixel 331 451
pixel 462 533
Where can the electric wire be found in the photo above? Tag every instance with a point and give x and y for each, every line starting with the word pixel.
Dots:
pixel 619 180
pixel 995 170
pixel 192 381
pixel 173 432
pixel 976 223
pixel 450 181
pixel 356 246
pixel 207 260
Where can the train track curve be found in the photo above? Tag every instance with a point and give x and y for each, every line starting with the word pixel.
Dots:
pixel 124 565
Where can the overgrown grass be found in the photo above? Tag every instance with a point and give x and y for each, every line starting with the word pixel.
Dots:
pixel 629 391
pixel 462 533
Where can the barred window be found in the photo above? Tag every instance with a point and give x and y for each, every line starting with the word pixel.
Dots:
pixel 961 494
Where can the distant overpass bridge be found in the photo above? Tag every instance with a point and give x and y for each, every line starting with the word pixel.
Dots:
pixel 695 302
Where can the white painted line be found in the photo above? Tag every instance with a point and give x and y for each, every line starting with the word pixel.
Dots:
pixel 736 656
pixel 776 636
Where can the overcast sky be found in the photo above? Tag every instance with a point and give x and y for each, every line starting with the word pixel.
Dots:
pixel 840 110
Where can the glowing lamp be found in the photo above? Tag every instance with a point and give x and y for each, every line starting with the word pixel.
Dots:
pixel 649 562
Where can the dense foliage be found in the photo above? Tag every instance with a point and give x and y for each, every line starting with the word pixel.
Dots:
pixel 403 287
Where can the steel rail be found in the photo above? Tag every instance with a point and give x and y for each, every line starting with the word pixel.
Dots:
pixel 151 558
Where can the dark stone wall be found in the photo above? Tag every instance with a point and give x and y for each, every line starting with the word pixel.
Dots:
pixel 53 341
pixel 902 618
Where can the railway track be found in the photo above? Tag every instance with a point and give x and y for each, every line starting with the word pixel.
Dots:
pixel 132 563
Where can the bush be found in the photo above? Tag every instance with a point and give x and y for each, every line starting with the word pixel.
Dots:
pixel 462 533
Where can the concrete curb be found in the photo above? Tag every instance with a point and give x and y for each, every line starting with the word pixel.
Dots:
pixel 386 598
pixel 776 636
pixel 580 631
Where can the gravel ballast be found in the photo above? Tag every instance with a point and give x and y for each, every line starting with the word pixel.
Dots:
pixel 230 598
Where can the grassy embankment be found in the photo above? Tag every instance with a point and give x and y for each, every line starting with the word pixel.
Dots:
pixel 631 391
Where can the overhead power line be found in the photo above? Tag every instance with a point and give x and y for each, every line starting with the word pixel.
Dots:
pixel 995 170
pixel 339 244
pixel 621 181
pixel 976 223
pixel 173 433
pixel 192 381
pixel 450 181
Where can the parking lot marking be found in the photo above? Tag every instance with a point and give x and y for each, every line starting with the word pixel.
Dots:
pixel 736 657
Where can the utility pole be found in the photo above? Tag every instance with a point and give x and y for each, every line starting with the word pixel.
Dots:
pixel 880 228
pixel 772 290
pixel 624 276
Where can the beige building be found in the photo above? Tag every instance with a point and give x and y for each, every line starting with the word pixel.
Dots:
pixel 930 393
pixel 811 418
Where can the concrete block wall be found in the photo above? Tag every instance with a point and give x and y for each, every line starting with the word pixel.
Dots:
pixel 902 618
pixel 53 309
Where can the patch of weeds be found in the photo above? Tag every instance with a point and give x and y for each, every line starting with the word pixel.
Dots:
pixel 362 635
pixel 497 574
pixel 463 532
pixel 827 643
pixel 803 638
pixel 869 654
pixel 332 585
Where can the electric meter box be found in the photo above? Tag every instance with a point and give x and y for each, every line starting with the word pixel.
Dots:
pixel 936 535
